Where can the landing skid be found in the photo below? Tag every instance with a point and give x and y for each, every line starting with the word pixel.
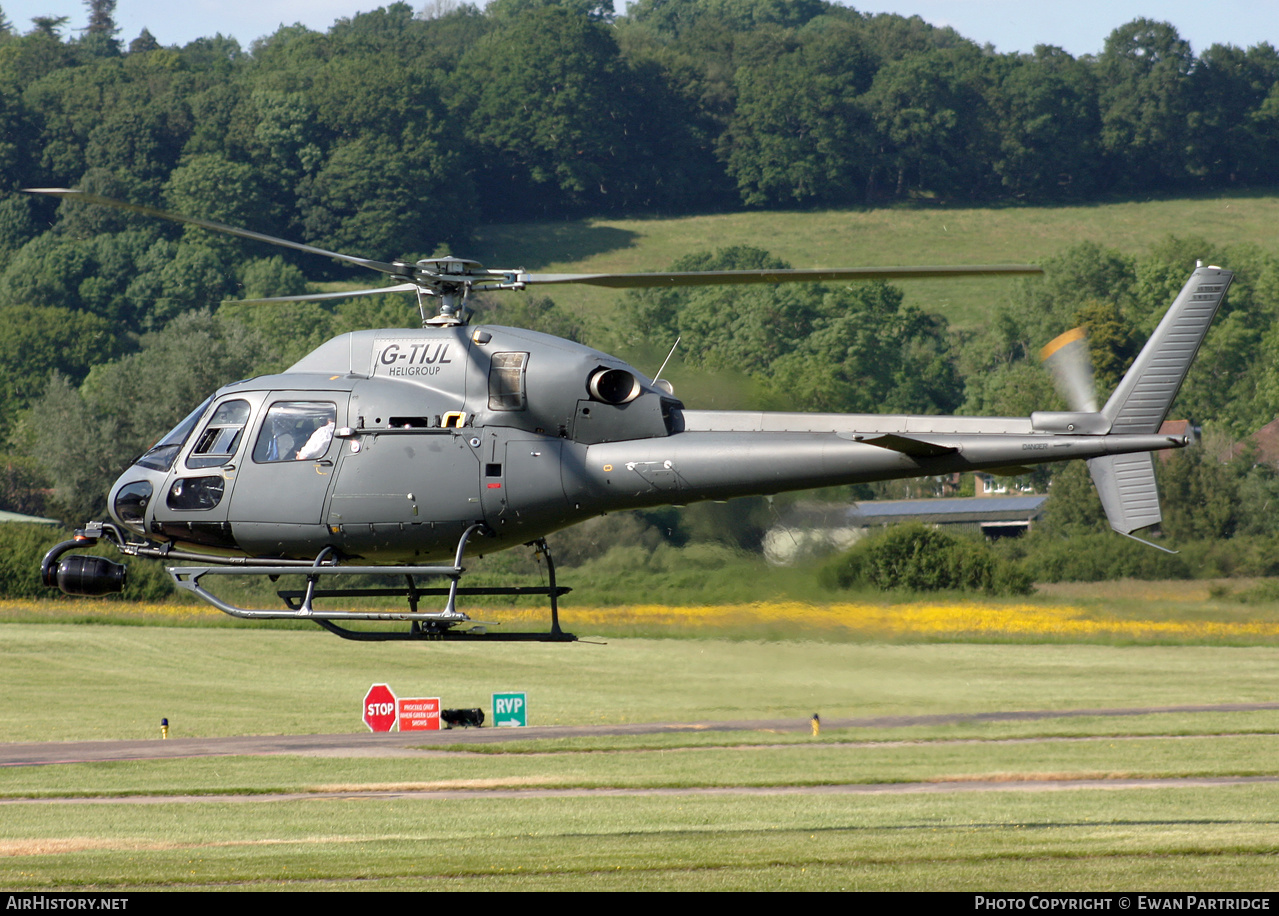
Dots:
pixel 448 624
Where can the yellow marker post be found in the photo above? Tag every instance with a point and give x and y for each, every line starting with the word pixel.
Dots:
pixel 817 725
pixel 164 729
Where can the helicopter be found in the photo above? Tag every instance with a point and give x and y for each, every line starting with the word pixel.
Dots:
pixel 394 453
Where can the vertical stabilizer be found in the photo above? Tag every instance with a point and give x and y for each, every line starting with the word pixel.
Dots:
pixel 1141 402
pixel 1126 483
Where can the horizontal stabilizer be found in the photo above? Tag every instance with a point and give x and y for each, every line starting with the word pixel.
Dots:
pixel 915 448
pixel 1126 485
pixel 1009 472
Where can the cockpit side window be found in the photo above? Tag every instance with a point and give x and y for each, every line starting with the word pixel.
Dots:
pixel 296 431
pixel 220 438
pixel 159 457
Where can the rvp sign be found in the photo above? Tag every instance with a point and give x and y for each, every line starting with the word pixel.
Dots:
pixel 379 708
pixel 510 709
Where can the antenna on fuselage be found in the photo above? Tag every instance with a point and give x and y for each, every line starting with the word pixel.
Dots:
pixel 670 389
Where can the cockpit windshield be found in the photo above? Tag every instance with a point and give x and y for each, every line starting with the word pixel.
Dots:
pixel 160 456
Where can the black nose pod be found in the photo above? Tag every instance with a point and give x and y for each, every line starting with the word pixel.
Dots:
pixel 84 576
pixel 90 576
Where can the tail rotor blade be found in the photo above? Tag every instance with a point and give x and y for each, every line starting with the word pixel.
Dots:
pixel 1068 360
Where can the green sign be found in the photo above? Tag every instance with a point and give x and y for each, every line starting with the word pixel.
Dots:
pixel 510 709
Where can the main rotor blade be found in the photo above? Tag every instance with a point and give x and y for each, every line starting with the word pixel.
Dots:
pixel 715 277
pixel 86 197
pixel 319 297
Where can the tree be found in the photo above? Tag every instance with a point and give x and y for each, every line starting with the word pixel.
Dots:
pixel 15 150
pixel 509 10
pixel 934 126
pixel 554 112
pixel 742 328
pixel 100 36
pixel 84 275
pixel 1048 125
pixel 35 341
pixel 101 17
pixel 177 277
pixel 144 43
pixel 1145 104
pixel 1199 496
pixel 1113 343
pixel 798 134
pixel 675 18
pixel 212 187
pixel 924 559
pixel 381 198
pixel 1041 309
pixel 1231 137
pixel 22 485
pixel 870 353
pixel 1073 507
pixel 49 26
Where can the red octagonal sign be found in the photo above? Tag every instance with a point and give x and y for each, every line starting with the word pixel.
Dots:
pixel 379 708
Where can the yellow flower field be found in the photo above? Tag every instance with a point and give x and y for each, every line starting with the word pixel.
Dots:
pixel 923 619
pixel 968 619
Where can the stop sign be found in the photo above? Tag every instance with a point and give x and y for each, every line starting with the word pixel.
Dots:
pixel 379 708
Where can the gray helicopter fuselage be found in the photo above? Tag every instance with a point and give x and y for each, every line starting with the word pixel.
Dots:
pixel 386 445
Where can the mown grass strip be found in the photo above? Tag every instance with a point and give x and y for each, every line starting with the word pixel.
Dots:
pixel 1196 839
pixel 813 764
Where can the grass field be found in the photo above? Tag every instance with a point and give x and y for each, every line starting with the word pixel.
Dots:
pixel 968 805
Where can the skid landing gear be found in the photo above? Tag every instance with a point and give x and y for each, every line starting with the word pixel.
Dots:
pixel 447 624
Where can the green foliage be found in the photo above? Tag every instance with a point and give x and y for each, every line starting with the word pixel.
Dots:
pixel 590 131
pixel 797 133
pixel 131 279
pixel 849 348
pixel 212 187
pixel 1048 126
pixel 1097 557
pixel 934 122
pixel 1073 507
pixel 918 558
pixel 367 196
pixel 1112 342
pixel 1144 101
pixel 36 342
pixel 508 10
pixel 22 485
pixel 1119 300
pixel 273 276
pixel 675 17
